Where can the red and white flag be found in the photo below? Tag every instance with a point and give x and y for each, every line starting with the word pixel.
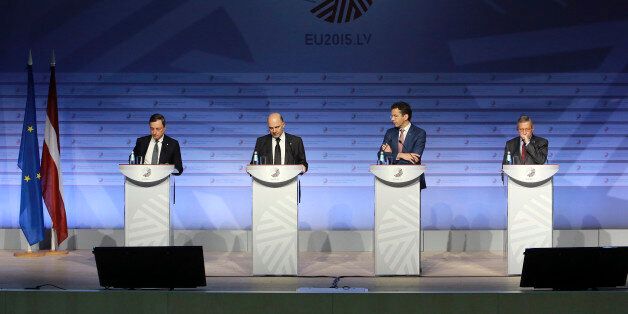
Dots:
pixel 51 178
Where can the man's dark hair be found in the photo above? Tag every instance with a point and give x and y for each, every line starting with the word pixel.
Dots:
pixel 403 107
pixel 524 118
pixel 156 117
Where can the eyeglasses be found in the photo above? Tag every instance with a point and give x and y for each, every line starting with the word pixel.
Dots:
pixel 525 130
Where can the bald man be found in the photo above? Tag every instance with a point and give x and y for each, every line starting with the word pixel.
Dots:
pixel 279 147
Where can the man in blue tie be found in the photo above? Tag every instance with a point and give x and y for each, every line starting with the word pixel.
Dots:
pixel 405 142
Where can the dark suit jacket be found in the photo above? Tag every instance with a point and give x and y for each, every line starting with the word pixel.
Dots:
pixel 295 152
pixel 170 151
pixel 414 143
pixel 536 151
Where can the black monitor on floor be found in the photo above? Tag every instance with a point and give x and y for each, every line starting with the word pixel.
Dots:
pixel 575 268
pixel 150 267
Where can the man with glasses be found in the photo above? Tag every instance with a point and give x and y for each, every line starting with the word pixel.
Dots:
pixel 527 148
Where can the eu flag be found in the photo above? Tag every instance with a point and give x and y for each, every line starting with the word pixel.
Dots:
pixel 31 208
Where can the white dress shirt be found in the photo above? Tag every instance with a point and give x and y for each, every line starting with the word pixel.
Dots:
pixel 151 147
pixel 282 147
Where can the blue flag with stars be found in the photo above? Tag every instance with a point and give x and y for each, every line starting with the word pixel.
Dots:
pixel 31 205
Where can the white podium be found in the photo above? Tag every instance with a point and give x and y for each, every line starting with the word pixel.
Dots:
pixel 397 219
pixel 530 210
pixel 275 219
pixel 146 204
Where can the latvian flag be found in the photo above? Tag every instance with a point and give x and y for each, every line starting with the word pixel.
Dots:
pixel 52 183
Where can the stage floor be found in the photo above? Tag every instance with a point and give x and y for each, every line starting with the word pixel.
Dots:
pixel 450 272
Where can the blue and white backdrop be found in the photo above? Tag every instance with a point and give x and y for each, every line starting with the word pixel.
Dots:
pixel 216 68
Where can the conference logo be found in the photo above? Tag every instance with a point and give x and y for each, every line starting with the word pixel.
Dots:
pixel 276 173
pixel 147 173
pixel 531 173
pixel 399 173
pixel 341 11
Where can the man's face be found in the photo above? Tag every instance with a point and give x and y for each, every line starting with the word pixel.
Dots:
pixel 525 129
pixel 157 129
pixel 275 126
pixel 397 118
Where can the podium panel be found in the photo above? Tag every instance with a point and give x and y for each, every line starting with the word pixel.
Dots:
pixel 275 219
pixel 530 210
pixel 146 204
pixel 397 233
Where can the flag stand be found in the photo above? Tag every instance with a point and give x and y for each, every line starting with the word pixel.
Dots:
pixel 29 253
pixel 53 245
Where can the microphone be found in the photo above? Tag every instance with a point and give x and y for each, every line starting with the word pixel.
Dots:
pixel 291 152
pixel 386 140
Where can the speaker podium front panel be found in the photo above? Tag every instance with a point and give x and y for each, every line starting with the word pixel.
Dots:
pixel 530 210
pixel 397 233
pixel 146 204
pixel 275 219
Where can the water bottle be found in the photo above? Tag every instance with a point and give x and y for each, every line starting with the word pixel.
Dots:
pixel 255 158
pixel 380 161
pixel 132 158
pixel 509 158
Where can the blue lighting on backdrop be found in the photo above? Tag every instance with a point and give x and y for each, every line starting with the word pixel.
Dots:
pixel 215 69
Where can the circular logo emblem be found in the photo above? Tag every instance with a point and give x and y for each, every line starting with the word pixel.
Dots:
pixel 341 11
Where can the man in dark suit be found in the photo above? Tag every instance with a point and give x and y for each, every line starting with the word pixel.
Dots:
pixel 405 142
pixel 279 147
pixel 527 148
pixel 158 148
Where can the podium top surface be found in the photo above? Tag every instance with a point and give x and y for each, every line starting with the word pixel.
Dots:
pixel 530 173
pixel 397 173
pixel 274 173
pixel 146 173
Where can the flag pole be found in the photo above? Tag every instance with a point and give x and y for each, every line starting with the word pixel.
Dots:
pixel 53 236
pixel 53 239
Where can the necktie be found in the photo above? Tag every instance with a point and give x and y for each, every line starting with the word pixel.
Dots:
pixel 155 158
pixel 277 160
pixel 402 138
pixel 523 152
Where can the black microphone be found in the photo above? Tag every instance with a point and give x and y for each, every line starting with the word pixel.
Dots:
pixel 386 140
pixel 291 152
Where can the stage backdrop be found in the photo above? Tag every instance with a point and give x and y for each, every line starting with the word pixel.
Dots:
pixel 215 69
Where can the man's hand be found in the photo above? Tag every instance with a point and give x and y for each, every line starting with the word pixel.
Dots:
pixel 386 148
pixel 303 169
pixel 526 138
pixel 411 157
